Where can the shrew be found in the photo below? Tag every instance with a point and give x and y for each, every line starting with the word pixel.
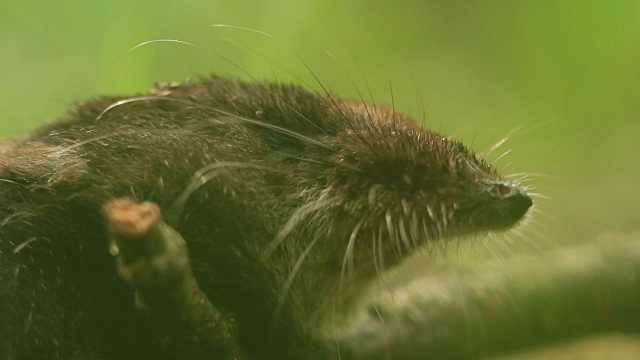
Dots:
pixel 289 202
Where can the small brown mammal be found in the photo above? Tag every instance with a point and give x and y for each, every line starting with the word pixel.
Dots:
pixel 289 201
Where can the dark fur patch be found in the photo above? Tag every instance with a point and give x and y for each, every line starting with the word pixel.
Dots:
pixel 290 201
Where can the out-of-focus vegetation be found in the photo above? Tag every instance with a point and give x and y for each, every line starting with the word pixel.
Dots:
pixel 566 74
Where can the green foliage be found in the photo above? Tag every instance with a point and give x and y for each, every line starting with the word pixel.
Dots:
pixel 567 72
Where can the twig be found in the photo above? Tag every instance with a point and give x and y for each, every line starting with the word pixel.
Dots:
pixel 153 259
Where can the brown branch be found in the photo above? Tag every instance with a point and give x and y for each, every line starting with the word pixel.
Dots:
pixel 153 259
pixel 499 308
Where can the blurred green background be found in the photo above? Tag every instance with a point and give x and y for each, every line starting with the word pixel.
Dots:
pixel 566 74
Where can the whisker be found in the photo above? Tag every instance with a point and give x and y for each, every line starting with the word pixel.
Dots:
pixel 89 141
pixel 539 195
pixel 133 100
pixel 347 261
pixel 12 182
pixel 491 148
pixel 438 225
pixel 362 101
pixel 23 244
pixel 491 247
pixel 335 330
pixel 545 214
pixel 403 234
pixel 313 74
pixel 425 231
pixel 536 175
pixel 364 78
pixel 279 129
pixel 392 231
pixel 177 41
pixel 292 275
pixel 274 63
pixel 296 217
pixel 353 83
pixel 374 252
pixel 505 168
pixel 393 106
pixel 381 250
pixel 237 67
pixel 16 216
pixel 535 244
pixel 201 178
pixel 371 198
pixel 506 248
pixel 375 308
pixel 548 243
pixel 415 230
pixel 503 155
pixel 445 218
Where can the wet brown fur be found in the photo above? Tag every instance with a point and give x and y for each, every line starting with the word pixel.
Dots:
pixel 289 200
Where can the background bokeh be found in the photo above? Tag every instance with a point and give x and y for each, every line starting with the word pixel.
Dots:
pixel 564 74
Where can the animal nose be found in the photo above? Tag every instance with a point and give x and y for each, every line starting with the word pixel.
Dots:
pixel 519 200
pixel 514 197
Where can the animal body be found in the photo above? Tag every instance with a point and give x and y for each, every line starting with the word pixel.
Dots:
pixel 289 202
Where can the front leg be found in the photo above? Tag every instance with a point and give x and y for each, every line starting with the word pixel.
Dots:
pixel 153 259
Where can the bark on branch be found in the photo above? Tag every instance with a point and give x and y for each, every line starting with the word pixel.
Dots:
pixel 493 309
pixel 153 259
